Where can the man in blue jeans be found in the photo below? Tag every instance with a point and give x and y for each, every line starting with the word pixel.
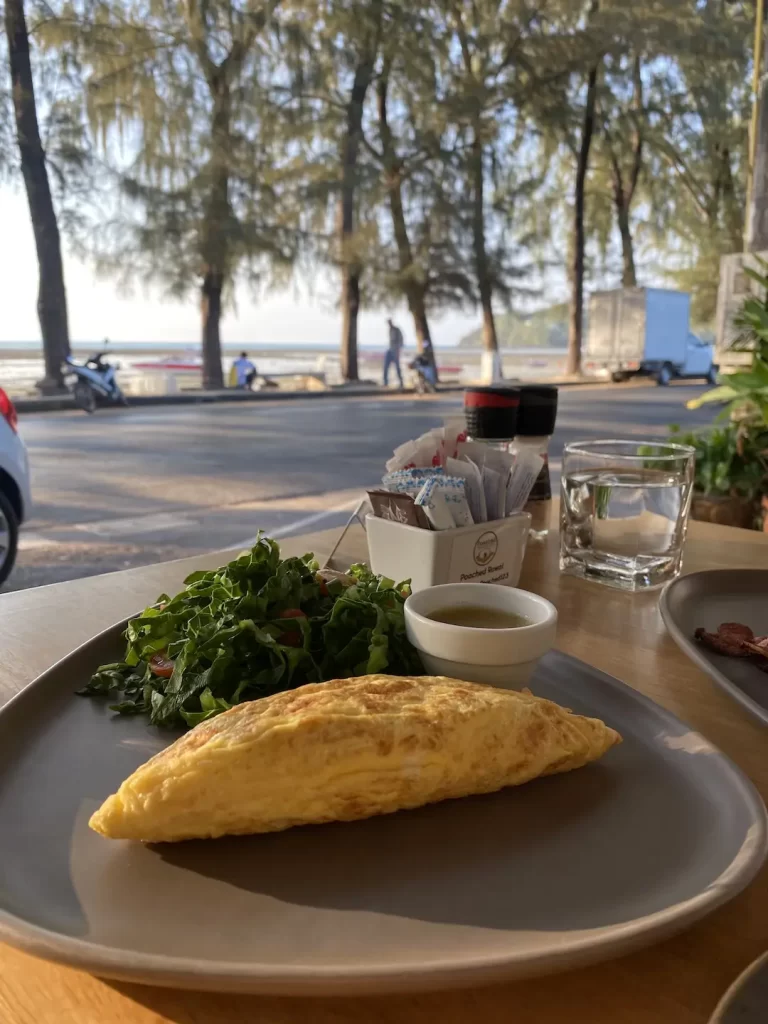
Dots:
pixel 392 357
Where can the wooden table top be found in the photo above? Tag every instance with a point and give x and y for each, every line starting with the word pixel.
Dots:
pixel 676 982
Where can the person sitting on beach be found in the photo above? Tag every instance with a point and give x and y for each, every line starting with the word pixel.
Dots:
pixel 424 367
pixel 245 371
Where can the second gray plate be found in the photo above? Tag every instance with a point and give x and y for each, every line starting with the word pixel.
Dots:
pixel 746 1001
pixel 708 599
pixel 563 871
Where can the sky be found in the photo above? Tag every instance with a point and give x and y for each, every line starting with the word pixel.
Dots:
pixel 97 309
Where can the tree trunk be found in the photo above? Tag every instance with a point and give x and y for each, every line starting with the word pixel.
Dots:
pixel 417 307
pixel 350 307
pixel 414 288
pixel 52 296
pixel 576 320
pixel 477 187
pixel 628 275
pixel 350 262
pixel 214 240
pixel 623 194
pixel 757 214
pixel 734 220
pixel 211 290
pixel 622 197
pixel 482 272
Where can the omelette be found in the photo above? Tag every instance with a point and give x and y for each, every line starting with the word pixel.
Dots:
pixel 344 750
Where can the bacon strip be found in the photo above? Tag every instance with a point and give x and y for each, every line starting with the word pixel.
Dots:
pixel 723 643
pixel 736 629
pixel 735 640
pixel 757 647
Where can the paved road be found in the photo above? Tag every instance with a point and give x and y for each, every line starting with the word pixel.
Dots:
pixel 128 487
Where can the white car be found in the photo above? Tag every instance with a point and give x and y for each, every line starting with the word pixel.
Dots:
pixel 15 499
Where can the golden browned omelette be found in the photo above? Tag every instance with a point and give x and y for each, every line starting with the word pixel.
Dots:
pixel 347 749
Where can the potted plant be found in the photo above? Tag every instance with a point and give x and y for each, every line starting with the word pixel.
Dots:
pixel 731 476
pixel 731 482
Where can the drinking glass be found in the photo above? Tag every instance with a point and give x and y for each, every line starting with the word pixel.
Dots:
pixel 624 511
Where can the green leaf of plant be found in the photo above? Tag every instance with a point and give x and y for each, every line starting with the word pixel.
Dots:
pixel 724 393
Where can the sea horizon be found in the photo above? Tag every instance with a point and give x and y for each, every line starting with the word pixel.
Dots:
pixel 229 347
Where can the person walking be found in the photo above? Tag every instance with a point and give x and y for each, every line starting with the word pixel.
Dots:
pixel 392 357
pixel 245 371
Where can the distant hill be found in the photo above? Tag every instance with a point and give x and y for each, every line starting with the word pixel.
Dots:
pixel 546 328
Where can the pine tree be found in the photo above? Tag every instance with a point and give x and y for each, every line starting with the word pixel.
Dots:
pixel 480 80
pixel 566 113
pixel 330 57
pixel 364 47
pixel 576 309
pixel 175 90
pixel 697 140
pixel 52 297
pixel 407 138
pixel 416 158
pixel 621 136
pixel 497 55
pixel 412 277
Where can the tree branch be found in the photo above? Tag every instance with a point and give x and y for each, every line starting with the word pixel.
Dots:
pixel 512 47
pixel 194 19
pixel 687 177
pixel 463 42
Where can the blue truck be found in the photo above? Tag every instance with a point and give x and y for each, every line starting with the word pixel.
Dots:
pixel 645 331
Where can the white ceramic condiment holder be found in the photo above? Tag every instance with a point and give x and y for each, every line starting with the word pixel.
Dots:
pixel 498 657
pixel 485 553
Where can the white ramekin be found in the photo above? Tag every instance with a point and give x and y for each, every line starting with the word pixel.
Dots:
pixel 501 657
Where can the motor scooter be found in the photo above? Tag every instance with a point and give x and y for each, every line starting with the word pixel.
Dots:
pixel 93 383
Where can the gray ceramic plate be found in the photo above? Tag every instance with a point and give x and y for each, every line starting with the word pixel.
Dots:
pixel 746 1001
pixel 563 871
pixel 707 599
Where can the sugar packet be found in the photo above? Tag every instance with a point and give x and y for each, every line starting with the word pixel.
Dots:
pixel 409 481
pixel 495 469
pixel 474 492
pixel 524 474
pixel 453 434
pixel 432 500
pixel 454 489
pixel 495 491
pixel 444 502
pixel 423 451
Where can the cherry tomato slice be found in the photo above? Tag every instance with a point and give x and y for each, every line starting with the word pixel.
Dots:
pixel 291 639
pixel 161 664
pixel 291 613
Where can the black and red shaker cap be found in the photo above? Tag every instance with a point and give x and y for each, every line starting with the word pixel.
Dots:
pixel 491 412
pixel 538 410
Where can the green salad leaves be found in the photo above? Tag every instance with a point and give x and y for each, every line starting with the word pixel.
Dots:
pixel 256 626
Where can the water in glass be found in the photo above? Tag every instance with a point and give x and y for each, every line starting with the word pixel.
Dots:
pixel 624 523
